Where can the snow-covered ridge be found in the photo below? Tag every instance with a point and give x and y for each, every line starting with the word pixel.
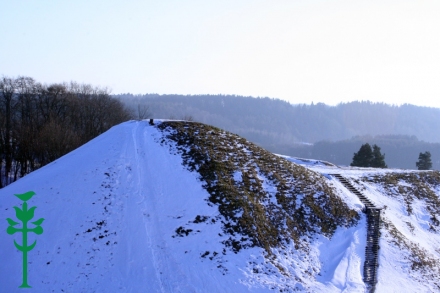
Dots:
pixel 184 207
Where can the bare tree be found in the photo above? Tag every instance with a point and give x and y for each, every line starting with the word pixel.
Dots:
pixel 8 87
pixel 188 118
pixel 143 112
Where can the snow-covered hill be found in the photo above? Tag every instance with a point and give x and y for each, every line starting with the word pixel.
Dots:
pixel 184 207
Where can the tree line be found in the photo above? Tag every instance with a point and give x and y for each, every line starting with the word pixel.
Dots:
pixel 272 122
pixel 40 123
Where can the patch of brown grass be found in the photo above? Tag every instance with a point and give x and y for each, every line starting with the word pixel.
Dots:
pixel 253 216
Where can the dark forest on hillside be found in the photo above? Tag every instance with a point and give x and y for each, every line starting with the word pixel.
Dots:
pixel 318 131
pixel 39 123
pixel 271 120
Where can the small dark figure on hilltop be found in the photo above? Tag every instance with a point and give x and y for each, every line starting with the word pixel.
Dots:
pixel 424 162
pixel 367 157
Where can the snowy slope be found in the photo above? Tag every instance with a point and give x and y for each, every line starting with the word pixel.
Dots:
pixel 111 209
pixel 123 214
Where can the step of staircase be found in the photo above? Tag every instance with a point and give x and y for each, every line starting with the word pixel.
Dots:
pixel 371 263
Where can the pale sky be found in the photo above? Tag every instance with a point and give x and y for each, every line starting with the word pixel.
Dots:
pixel 299 51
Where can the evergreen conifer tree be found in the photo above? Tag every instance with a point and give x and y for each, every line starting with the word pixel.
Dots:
pixel 378 160
pixel 424 162
pixel 369 157
pixel 363 157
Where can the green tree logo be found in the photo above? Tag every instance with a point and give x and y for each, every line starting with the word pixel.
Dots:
pixel 25 215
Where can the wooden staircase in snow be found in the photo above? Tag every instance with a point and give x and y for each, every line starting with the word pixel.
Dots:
pixel 373 233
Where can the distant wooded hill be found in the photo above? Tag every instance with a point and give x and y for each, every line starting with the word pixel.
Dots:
pixel 336 132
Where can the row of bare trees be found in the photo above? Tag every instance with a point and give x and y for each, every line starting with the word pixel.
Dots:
pixel 39 123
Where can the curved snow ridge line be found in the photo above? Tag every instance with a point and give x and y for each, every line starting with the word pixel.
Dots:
pixel 148 205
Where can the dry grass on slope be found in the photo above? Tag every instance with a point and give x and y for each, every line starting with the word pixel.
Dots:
pixel 414 185
pixel 264 200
